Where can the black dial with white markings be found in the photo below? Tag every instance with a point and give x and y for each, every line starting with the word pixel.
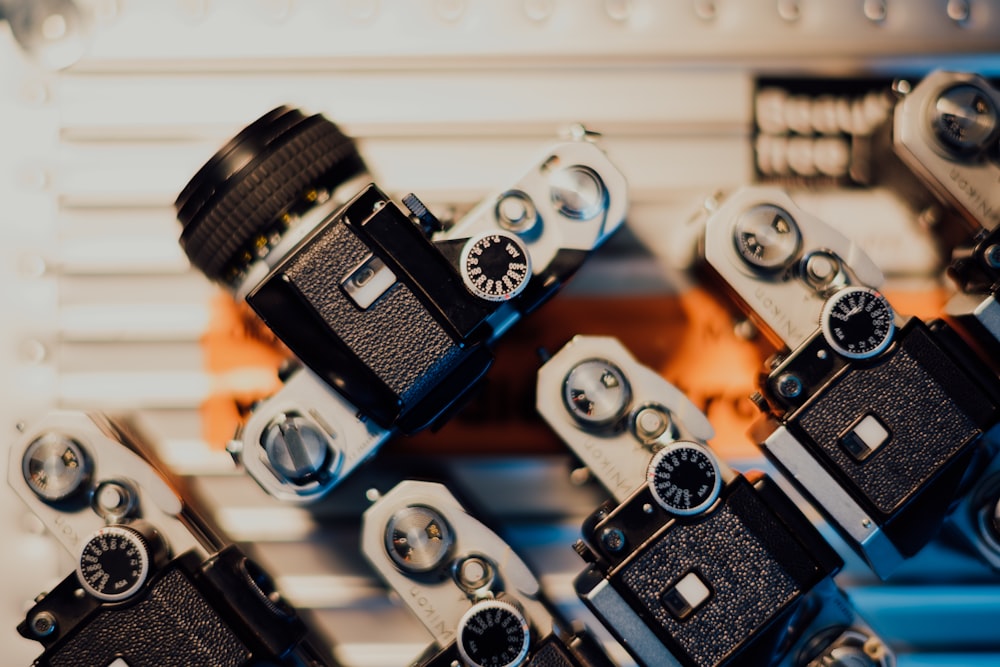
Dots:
pixel 858 322
pixel 684 478
pixel 493 633
pixel 495 266
pixel 114 563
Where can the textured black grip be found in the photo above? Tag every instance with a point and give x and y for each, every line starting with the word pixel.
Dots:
pixel 755 568
pixel 172 627
pixel 929 406
pixel 551 653
pixel 236 196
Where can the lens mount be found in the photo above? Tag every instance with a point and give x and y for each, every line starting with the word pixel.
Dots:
pixel 264 172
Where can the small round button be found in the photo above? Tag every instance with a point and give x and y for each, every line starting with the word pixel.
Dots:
pixel 857 322
pixel 684 478
pixel 495 266
pixel 651 423
pixel 767 237
pixel 418 539
pixel 115 500
pixel 493 633
pixel 964 119
pixel 56 467
pixel 114 563
pixel 474 573
pixel 596 393
pixel 515 212
pixel 578 192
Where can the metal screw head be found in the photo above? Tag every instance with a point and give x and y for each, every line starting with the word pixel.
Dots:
pixel 613 539
pixel 789 385
pixel 43 624
pixel 992 256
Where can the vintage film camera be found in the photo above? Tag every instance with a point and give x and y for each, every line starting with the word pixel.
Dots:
pixel 691 562
pixel 153 586
pixel 476 597
pixel 392 315
pixel 946 129
pixel 876 417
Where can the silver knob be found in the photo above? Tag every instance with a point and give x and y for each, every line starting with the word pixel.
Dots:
pixel 578 192
pixel 964 119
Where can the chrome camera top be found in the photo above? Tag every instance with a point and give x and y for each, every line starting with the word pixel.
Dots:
pixel 144 560
pixel 392 314
pixel 688 545
pixel 875 416
pixel 947 131
pixel 473 594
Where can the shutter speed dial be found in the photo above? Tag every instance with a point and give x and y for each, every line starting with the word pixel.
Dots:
pixel 116 561
pixel 684 478
pixel 493 633
pixel 495 266
pixel 857 322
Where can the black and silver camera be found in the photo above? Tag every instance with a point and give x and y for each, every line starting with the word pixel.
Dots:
pixel 691 563
pixel 476 597
pixel 876 417
pixel 946 129
pixel 390 310
pixel 153 586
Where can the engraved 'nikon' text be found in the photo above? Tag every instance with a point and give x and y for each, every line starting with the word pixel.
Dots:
pixel 612 476
pixel 432 619
pixel 977 203
pixel 774 315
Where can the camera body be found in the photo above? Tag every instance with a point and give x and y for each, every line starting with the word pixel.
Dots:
pixel 389 309
pixel 691 563
pixel 947 131
pixel 876 418
pixel 153 584
pixel 476 597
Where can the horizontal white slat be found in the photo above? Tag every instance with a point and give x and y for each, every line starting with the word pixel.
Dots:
pixel 228 33
pixel 402 104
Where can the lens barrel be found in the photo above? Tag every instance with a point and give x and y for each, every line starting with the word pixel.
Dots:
pixel 242 192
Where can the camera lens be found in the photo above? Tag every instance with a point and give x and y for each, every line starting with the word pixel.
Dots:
pixel 236 202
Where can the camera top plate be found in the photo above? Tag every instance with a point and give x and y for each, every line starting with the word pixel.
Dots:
pixel 647 412
pixel 944 130
pixel 120 477
pixel 430 587
pixel 787 298
pixel 574 198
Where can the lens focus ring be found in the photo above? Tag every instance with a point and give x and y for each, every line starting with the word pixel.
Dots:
pixel 254 179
